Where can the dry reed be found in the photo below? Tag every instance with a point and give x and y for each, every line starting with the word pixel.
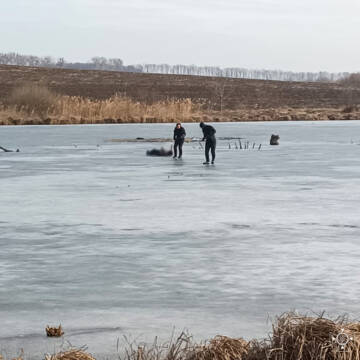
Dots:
pixel 122 109
pixel 293 337
pixel 221 348
pixel 72 354
pixel 30 103
pixel 32 98
pixel 296 337
pixel 34 104
pixel 175 349
pixel 54 331
pixel 19 357
pixel 183 348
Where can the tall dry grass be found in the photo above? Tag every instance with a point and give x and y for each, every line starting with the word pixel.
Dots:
pixel 294 337
pixel 32 98
pixel 302 337
pixel 36 103
pixel 124 109
pixel 71 354
pixel 184 348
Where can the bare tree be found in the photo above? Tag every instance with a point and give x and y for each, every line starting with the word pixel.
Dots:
pixel 116 64
pixel 60 62
pixel 219 92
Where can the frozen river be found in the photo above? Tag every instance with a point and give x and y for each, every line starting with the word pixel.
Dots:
pixel 107 241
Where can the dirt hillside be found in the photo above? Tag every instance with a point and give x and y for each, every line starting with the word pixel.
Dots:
pixel 225 93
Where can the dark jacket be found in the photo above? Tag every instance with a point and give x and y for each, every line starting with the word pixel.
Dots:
pixel 179 134
pixel 208 132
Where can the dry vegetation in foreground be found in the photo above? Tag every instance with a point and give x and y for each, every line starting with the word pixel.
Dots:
pixel 294 337
pixel 72 354
pixel 35 104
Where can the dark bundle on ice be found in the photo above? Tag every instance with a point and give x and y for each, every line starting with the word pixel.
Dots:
pixel 7 150
pixel 54 331
pixel 159 152
pixel 274 140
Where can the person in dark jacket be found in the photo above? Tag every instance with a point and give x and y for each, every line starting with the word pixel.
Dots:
pixel 210 144
pixel 179 138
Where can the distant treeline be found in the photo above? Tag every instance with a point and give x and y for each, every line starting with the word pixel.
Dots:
pixel 116 64
pixel 96 63
pixel 242 73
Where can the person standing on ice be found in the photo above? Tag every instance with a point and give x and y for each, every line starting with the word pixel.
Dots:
pixel 210 144
pixel 179 138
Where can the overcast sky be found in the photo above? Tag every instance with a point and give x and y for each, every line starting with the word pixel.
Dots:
pixel 298 35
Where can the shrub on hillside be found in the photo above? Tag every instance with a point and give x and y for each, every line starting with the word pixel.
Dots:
pixel 351 80
pixel 33 99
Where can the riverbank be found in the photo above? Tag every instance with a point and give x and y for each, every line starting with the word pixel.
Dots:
pixel 293 337
pixel 193 115
pixel 36 96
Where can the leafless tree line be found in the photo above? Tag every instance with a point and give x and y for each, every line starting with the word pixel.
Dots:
pixel 116 64
pixel 242 73
pixel 96 63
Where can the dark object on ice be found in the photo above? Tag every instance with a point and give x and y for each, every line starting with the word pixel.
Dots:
pixel 159 152
pixel 54 331
pixel 140 138
pixel 274 140
pixel 7 150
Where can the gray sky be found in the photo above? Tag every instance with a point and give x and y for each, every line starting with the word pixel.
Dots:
pixel 298 35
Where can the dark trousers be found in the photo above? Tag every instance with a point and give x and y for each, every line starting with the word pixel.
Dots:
pixel 178 144
pixel 210 144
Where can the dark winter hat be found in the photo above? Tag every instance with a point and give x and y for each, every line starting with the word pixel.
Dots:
pixel 201 124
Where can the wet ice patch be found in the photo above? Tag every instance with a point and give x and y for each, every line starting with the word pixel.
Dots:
pixel 345 226
pixel 240 226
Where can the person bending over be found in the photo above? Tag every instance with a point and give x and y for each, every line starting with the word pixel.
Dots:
pixel 210 144
pixel 179 138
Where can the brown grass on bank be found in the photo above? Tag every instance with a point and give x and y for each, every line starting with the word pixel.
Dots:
pixel 122 109
pixel 20 357
pixel 221 348
pixel 175 349
pixel 294 337
pixel 297 337
pixel 54 331
pixel 72 354
pixel 33 101
pixel 32 98
pixel 35 104
pixel 350 109
pixel 183 348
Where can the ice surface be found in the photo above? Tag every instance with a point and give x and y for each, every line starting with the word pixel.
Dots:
pixel 107 241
